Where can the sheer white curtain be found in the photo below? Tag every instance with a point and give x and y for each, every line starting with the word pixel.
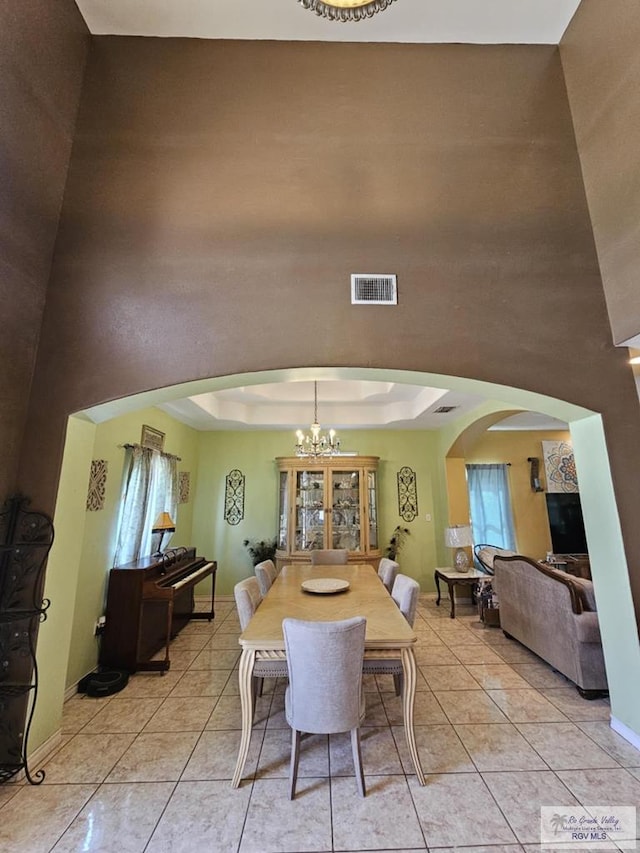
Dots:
pixel 151 487
pixel 490 506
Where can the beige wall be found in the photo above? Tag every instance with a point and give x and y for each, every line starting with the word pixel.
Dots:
pixel 601 63
pixel 530 517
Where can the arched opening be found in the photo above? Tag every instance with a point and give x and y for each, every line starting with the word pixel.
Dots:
pixel 76 543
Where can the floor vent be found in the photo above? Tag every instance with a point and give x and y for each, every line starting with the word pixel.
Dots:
pixel 369 289
pixel 443 410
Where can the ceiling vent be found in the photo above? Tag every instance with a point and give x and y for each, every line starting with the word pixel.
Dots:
pixel 367 289
pixel 443 410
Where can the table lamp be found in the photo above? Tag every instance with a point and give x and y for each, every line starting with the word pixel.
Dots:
pixel 163 524
pixel 459 537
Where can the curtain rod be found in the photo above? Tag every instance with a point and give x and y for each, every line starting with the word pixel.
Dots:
pixel 161 452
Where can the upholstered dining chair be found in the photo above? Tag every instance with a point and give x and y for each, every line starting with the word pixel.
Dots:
pixel 325 693
pixel 248 598
pixel 405 593
pixel 266 573
pixel 387 571
pixel 330 557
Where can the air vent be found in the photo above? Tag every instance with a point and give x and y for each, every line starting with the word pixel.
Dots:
pixel 443 410
pixel 369 289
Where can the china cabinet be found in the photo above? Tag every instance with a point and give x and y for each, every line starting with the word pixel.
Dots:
pixel 328 503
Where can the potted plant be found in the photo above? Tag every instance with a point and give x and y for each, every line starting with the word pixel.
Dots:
pixel 396 542
pixel 260 550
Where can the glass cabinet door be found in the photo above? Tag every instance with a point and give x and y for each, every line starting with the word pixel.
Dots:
pixel 345 512
pixel 372 503
pixel 283 517
pixel 310 514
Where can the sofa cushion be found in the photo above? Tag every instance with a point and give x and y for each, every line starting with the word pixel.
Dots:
pixel 585 590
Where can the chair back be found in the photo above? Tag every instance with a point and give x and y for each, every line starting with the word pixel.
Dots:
pixel 325 674
pixel 330 557
pixel 405 593
pixel 387 571
pixel 266 573
pixel 248 598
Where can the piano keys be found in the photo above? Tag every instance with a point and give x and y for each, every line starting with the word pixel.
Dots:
pixel 149 601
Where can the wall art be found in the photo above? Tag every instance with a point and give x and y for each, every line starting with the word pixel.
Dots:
pixel 407 494
pixel 559 466
pixel 234 497
pixel 184 486
pixel 97 485
pixel 152 438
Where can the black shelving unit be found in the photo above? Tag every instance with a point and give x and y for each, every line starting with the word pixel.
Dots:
pixel 25 541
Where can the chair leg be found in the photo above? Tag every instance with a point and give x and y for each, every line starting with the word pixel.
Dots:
pixel 398 681
pixel 260 686
pixel 357 760
pixel 295 758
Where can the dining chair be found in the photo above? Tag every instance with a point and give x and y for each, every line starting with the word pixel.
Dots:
pixel 248 598
pixel 266 573
pixel 325 694
pixel 405 593
pixel 330 557
pixel 387 571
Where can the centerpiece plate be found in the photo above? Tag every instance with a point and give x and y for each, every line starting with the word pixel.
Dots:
pixel 325 586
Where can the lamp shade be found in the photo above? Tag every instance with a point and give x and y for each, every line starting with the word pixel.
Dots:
pixel 458 536
pixel 163 522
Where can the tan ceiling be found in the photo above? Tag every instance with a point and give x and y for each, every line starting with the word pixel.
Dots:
pixel 417 21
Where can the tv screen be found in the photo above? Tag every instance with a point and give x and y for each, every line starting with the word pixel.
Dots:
pixel 566 524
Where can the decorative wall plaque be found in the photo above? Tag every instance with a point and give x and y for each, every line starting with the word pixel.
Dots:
pixel 184 486
pixel 407 494
pixel 97 485
pixel 560 466
pixel 152 438
pixel 234 497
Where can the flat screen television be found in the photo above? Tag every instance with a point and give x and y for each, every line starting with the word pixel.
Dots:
pixel 566 524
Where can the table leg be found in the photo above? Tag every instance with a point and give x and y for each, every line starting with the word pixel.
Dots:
pixel 247 660
pixel 437 580
pixel 452 599
pixel 408 699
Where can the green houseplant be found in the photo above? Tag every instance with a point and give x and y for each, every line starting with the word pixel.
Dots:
pixel 263 549
pixel 396 542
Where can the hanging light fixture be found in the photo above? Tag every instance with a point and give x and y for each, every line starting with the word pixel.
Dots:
pixel 346 10
pixel 316 444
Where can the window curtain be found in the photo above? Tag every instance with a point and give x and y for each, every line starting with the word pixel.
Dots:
pixel 490 506
pixel 151 487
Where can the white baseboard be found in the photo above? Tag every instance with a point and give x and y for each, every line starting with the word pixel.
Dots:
pixel 205 600
pixel 625 732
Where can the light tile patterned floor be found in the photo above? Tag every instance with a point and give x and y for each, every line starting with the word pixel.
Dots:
pixel 499 734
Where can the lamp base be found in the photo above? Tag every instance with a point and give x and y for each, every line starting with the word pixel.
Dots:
pixel 461 560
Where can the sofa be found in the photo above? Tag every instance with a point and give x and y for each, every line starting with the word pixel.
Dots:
pixel 554 615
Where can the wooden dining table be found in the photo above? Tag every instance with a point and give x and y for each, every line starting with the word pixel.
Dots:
pixel 388 634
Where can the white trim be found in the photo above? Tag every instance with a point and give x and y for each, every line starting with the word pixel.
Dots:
pixel 624 731
pixel 206 599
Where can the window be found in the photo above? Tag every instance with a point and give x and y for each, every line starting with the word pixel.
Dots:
pixel 151 487
pixel 490 506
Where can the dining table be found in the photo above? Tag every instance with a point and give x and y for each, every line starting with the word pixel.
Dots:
pixel 333 593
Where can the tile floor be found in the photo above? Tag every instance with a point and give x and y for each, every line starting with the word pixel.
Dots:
pixel 499 733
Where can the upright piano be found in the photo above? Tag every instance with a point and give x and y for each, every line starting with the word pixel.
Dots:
pixel 148 602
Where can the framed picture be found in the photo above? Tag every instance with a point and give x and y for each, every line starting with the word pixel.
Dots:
pixel 152 438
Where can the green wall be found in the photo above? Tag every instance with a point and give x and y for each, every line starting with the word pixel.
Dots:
pixel 100 528
pixel 254 454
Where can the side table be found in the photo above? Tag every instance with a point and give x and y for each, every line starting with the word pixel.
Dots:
pixel 453 578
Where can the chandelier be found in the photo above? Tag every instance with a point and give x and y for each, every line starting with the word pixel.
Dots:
pixel 346 10
pixel 316 444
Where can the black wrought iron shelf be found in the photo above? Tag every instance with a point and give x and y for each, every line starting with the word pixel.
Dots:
pixel 25 540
